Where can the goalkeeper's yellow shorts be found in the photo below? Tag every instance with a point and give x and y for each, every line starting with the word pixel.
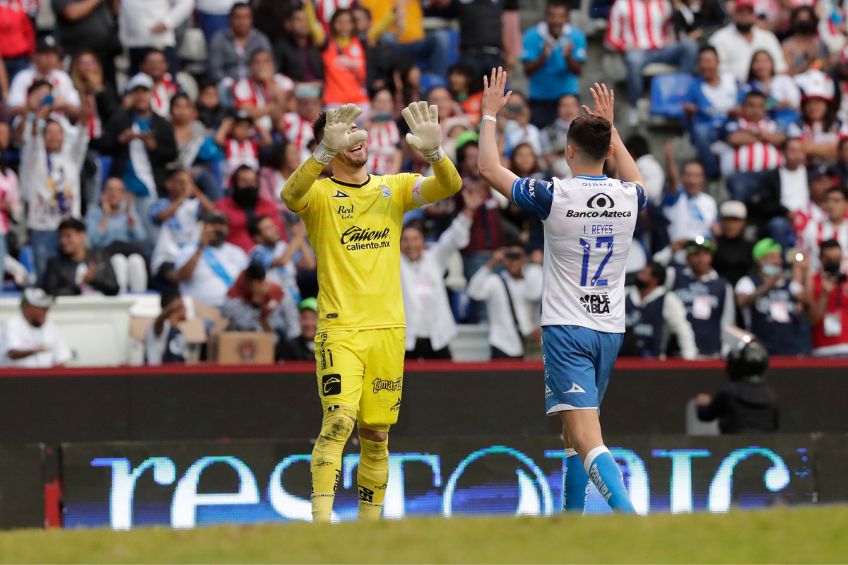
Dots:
pixel 362 370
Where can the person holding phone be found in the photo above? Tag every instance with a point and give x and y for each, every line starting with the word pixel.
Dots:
pixel 827 295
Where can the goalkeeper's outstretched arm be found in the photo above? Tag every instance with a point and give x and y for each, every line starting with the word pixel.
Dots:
pixel 337 137
pixel 425 135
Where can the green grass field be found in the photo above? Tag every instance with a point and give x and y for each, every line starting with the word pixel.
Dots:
pixel 808 535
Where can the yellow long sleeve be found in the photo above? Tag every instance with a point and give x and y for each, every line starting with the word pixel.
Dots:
pixel 445 181
pixel 295 192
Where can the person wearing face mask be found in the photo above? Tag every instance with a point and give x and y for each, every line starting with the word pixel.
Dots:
pixel 737 42
pixel 206 270
pixel 653 315
pixel 827 295
pixel 772 303
pixel 244 205
pixel 804 50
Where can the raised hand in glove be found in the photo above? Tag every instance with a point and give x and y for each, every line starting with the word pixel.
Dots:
pixel 337 134
pixel 425 134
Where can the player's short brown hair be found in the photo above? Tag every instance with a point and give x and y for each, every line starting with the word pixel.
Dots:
pixel 591 136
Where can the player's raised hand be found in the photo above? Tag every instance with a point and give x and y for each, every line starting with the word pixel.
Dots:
pixel 337 133
pixel 425 134
pixel 604 102
pixel 493 92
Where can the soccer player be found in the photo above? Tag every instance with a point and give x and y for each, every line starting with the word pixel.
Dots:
pixel 588 223
pixel 354 223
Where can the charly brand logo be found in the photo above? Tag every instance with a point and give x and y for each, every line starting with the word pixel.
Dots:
pixel 355 238
pixel 339 194
pixel 346 212
pixel 385 384
pixel 331 384
pixel 600 200
pixel 596 304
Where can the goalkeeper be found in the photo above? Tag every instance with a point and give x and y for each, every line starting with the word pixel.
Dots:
pixel 354 222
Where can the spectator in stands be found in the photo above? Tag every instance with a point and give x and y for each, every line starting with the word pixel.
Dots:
pixel 18 32
pixel 707 296
pixel 155 65
pixel 732 259
pixel 294 50
pixel 640 31
pixel 46 66
pixel 465 88
pixel 164 343
pixel 652 171
pixel 297 125
pixel 486 31
pixel 827 296
pixel 783 192
pixel 653 315
pixel 772 303
pixel 689 210
pixel 553 57
pixel 343 54
pixel 210 111
pixel 10 196
pixel 77 269
pixel 692 19
pixel 177 219
pixel 29 340
pixel 213 16
pixel 711 98
pixel 243 205
pixel 746 404
pixel 407 36
pixel 231 49
pixel 841 167
pixel 430 324
pixel 833 226
pixel 150 24
pixel 737 42
pixel 752 142
pixel 282 259
pixel 818 128
pixel 518 128
pixel 196 148
pixel 254 304
pixel 555 135
pixel 283 158
pixel 114 229
pixel 88 76
pixel 141 143
pixel 239 141
pixel 783 98
pixel 89 26
pixel 509 296
pixel 302 347
pixel 803 49
pixel 486 230
pixel 264 95
pixel 51 162
pixel 208 268
pixel 384 154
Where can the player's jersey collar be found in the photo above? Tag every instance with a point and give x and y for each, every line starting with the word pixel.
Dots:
pixel 350 184
pixel 591 177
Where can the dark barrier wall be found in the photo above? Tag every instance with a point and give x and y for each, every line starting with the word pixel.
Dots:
pixel 195 403
pixel 189 484
pixel 21 487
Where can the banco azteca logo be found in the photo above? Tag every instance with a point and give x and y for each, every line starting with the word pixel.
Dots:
pixel 600 201
pixel 596 304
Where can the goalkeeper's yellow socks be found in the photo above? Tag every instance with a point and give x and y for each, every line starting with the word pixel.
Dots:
pixel 372 476
pixel 326 464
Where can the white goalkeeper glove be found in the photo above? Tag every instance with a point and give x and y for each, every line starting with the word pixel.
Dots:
pixel 425 134
pixel 337 136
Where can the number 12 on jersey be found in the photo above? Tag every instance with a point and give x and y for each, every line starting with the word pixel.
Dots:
pixel 600 243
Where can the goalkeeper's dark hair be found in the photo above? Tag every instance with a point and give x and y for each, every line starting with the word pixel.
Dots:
pixel 591 135
pixel 318 127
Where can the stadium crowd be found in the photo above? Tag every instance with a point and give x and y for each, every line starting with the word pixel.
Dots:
pixel 131 164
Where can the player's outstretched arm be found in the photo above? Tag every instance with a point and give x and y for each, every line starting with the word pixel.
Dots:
pixel 499 177
pixel 604 107
pixel 337 137
pixel 425 136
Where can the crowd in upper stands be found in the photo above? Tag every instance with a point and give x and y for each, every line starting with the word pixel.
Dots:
pixel 143 144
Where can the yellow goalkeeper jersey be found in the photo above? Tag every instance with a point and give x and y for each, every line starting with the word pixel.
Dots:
pixel 355 231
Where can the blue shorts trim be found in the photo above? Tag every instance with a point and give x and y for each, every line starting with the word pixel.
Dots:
pixel 578 364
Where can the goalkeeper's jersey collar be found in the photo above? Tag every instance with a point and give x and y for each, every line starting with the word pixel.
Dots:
pixel 350 184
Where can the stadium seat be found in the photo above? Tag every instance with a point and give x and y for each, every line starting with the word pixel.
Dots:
pixel 668 92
